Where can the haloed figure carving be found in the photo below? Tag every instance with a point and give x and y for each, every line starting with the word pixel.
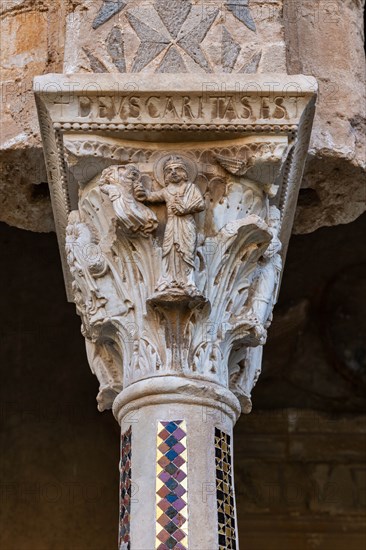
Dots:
pixel 118 183
pixel 182 199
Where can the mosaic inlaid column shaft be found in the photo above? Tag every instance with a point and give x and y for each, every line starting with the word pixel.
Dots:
pixel 172 485
pixel 180 472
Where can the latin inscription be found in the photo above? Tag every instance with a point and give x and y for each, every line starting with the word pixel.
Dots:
pixel 184 108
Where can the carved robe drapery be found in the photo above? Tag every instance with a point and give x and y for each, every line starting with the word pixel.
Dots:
pixel 180 237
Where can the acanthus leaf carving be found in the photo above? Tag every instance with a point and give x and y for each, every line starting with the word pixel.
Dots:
pixel 177 237
pixel 189 296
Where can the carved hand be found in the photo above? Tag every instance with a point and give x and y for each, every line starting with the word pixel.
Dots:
pixel 178 209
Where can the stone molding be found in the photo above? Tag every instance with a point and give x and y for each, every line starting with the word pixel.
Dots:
pixel 174 389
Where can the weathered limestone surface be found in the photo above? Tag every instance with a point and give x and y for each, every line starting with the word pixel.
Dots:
pixel 326 39
pixel 323 39
pixel 176 37
pixel 32 37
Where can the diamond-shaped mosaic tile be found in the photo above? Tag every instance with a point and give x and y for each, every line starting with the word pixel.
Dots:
pixel 171 486
pixel 125 491
pixel 224 492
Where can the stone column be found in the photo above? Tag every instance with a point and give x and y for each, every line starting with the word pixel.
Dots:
pixel 174 201
pixel 179 490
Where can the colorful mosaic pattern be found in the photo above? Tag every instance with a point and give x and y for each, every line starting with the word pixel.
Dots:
pixel 125 491
pixel 224 492
pixel 171 486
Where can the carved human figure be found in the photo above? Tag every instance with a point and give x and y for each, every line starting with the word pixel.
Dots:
pixel 182 199
pixel 256 196
pixel 118 183
pixel 254 170
pixel 264 293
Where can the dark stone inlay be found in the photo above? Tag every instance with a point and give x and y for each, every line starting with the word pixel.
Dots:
pixel 95 64
pixel 108 9
pixel 173 13
pixel 191 41
pixel 230 51
pixel 240 9
pixel 172 62
pixel 152 43
pixel 252 66
pixel 115 48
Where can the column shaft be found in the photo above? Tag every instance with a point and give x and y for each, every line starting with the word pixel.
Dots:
pixel 177 487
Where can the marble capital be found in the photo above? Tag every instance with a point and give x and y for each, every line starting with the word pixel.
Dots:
pixel 174 198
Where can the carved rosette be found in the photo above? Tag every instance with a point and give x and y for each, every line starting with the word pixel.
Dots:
pixel 180 210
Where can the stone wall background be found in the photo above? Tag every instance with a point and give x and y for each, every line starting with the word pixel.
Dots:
pixel 32 42
pixel 301 481
pixel 322 38
pixel 300 470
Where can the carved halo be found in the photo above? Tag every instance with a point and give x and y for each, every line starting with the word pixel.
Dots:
pixel 191 167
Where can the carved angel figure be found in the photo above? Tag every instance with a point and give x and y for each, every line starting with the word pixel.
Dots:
pixel 182 199
pixel 118 183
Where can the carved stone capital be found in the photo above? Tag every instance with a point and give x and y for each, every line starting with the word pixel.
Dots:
pixel 174 200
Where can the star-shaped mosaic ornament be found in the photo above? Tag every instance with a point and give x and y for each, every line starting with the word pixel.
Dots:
pixel 173 28
pixel 178 26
